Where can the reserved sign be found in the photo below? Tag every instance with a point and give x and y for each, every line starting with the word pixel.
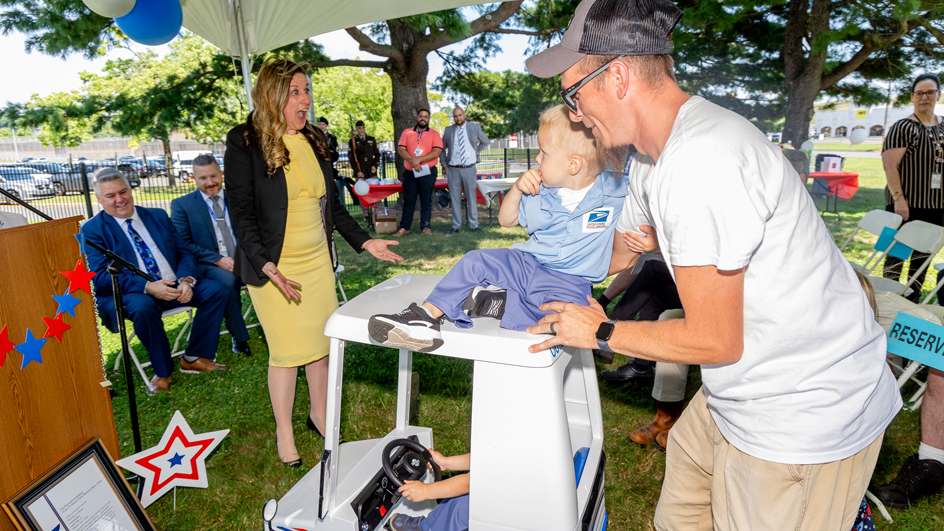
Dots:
pixel 918 340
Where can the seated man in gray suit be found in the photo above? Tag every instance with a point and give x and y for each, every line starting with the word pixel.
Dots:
pixel 202 219
pixel 462 143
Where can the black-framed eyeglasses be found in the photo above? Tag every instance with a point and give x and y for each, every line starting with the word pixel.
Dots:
pixel 929 93
pixel 568 93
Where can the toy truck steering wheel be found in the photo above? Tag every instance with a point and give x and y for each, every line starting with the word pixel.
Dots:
pixel 414 461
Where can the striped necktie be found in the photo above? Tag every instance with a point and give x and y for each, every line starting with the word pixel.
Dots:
pixel 463 146
pixel 150 264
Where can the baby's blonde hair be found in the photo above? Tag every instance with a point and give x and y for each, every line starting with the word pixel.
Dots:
pixel 571 137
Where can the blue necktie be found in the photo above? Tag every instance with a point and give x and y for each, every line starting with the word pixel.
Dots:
pixel 463 146
pixel 150 264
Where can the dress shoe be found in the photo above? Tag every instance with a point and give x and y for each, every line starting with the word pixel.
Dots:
pixel 916 479
pixel 241 347
pixel 158 385
pixel 627 373
pixel 476 229
pixel 427 232
pixel 400 232
pixel 311 426
pixel 450 232
pixel 667 413
pixel 661 442
pixel 201 365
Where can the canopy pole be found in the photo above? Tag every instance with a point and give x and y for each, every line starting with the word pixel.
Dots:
pixel 247 78
pixel 239 21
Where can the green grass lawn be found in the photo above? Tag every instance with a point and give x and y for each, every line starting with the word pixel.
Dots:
pixel 244 471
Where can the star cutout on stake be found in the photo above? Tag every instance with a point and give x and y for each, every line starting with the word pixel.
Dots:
pixel 187 467
pixel 67 303
pixel 79 278
pixel 81 239
pixel 5 345
pixel 30 349
pixel 55 327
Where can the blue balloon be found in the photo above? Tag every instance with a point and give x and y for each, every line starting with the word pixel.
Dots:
pixel 152 22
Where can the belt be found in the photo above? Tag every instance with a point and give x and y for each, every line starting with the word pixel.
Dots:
pixel 461 166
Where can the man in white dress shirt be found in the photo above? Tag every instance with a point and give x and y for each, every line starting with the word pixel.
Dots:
pixel 202 219
pixel 462 143
pixel 147 237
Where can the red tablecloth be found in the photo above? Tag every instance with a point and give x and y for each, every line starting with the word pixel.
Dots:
pixel 843 184
pixel 379 192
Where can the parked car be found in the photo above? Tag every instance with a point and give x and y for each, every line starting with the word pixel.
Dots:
pixel 131 174
pixel 129 168
pixel 62 179
pixel 156 167
pixel 25 183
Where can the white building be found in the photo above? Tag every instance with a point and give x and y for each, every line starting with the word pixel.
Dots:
pixel 841 123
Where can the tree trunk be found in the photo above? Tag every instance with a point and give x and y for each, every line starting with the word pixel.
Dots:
pixel 169 162
pixel 409 84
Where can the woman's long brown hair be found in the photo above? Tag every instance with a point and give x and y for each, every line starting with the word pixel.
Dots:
pixel 267 123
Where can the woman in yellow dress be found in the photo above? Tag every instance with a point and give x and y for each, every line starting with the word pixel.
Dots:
pixel 285 209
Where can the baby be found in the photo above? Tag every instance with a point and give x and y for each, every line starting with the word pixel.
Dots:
pixel 569 205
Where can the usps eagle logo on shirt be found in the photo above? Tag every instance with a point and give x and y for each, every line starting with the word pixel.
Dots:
pixel 597 220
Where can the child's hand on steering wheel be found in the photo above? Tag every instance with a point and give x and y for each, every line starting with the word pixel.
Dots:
pixel 415 491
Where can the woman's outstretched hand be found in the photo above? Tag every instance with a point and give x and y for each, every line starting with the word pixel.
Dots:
pixel 288 287
pixel 378 248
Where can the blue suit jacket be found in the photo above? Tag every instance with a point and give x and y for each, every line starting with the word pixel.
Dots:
pixel 104 230
pixel 193 222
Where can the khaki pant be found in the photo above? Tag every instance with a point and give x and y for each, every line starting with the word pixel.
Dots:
pixel 710 484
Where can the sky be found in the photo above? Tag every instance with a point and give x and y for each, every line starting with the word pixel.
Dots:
pixel 35 73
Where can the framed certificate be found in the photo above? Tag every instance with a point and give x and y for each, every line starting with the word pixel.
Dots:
pixel 84 492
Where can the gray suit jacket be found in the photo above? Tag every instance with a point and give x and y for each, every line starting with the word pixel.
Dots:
pixel 476 137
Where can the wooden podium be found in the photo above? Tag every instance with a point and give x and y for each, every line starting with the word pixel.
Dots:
pixel 47 410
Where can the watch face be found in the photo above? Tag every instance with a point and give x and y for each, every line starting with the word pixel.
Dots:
pixel 605 331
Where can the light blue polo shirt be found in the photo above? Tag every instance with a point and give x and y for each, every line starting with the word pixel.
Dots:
pixel 578 243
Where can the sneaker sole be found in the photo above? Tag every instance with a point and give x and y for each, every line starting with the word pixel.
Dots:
pixel 389 334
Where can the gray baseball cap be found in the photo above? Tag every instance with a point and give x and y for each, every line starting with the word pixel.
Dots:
pixel 610 27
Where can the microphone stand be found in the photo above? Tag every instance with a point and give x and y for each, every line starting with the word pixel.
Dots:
pixel 115 267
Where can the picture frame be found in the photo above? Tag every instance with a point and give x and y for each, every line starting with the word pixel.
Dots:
pixel 84 488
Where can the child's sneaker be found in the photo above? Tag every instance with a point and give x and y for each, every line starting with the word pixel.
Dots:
pixel 413 328
pixel 402 522
pixel 485 302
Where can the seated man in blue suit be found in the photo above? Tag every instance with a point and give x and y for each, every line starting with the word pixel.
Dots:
pixel 202 220
pixel 147 237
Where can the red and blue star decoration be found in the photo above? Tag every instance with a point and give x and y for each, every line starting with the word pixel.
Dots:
pixel 31 347
pixel 179 460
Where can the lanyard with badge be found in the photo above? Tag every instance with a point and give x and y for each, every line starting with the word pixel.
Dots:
pixel 219 238
pixel 419 136
pixel 934 133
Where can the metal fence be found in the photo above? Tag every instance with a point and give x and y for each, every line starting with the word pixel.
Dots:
pixel 66 190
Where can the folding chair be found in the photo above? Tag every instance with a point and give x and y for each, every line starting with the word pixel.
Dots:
pixel 184 333
pixel 337 278
pixel 242 290
pixel 919 236
pixel 887 307
pixel 874 223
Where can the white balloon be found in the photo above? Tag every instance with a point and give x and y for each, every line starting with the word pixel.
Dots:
pixel 110 8
pixel 806 146
pixel 361 187
pixel 858 136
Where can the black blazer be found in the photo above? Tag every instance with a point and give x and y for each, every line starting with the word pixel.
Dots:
pixel 259 209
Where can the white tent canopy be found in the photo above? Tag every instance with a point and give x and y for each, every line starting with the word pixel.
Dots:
pixel 251 27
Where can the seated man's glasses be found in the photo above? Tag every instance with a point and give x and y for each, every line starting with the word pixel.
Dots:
pixel 568 93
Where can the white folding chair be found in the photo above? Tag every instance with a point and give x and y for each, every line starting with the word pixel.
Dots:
pixel 887 307
pixel 873 222
pixel 919 236
pixel 337 278
pixel 245 289
pixel 184 333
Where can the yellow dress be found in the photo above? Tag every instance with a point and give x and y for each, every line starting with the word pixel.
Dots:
pixel 295 330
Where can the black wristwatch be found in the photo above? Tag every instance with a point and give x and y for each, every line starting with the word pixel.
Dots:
pixel 604 333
